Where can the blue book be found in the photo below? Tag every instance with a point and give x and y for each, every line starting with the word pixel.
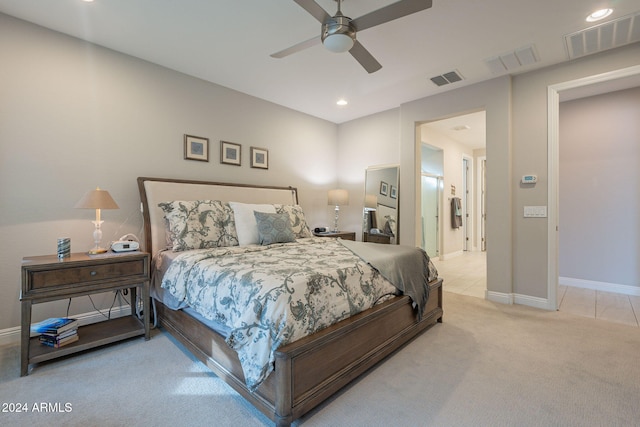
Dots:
pixel 54 325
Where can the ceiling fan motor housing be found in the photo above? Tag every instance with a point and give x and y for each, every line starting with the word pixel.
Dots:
pixel 338 34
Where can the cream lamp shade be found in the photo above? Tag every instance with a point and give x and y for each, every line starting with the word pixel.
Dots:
pixel 370 201
pixel 338 197
pixel 97 199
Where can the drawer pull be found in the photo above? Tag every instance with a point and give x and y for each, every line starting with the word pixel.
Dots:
pixel 93 273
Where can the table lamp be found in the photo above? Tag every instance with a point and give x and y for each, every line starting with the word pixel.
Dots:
pixel 337 198
pixel 370 206
pixel 97 199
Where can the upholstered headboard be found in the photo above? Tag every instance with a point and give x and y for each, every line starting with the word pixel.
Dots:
pixel 158 190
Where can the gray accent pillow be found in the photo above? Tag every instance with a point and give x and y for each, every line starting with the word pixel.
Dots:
pixel 274 228
pixel 298 222
pixel 199 224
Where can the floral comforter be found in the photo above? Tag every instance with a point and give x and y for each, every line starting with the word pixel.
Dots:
pixel 273 295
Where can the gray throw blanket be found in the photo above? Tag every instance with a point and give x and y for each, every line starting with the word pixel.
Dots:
pixel 407 268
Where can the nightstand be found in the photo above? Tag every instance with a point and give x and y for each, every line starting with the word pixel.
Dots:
pixel 376 238
pixel 46 278
pixel 346 235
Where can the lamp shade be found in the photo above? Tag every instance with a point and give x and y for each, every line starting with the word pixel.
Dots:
pixel 97 199
pixel 370 201
pixel 338 197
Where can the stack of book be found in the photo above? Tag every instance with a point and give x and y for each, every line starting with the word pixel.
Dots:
pixel 57 331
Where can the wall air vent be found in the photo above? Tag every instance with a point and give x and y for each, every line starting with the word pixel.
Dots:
pixel 446 78
pixel 608 35
pixel 513 60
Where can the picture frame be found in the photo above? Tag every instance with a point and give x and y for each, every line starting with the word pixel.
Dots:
pixel 196 148
pixel 384 188
pixel 394 192
pixel 259 158
pixel 230 153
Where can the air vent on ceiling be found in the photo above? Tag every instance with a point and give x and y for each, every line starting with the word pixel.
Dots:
pixel 513 60
pixel 446 78
pixel 607 35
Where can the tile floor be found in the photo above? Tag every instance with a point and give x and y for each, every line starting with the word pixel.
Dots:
pixel 467 274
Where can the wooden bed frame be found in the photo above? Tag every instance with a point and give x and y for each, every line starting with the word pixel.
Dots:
pixel 309 370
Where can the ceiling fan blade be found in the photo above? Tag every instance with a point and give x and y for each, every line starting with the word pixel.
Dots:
pixel 314 9
pixel 365 59
pixel 389 13
pixel 297 47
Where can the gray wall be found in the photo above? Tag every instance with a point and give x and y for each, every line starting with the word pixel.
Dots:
pixel 74 116
pixel 369 141
pixel 599 189
pixel 517 247
pixel 529 134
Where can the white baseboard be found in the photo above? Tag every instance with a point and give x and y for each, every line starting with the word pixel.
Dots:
pixel 499 297
pixel 536 302
pixel 543 303
pixel 599 286
pixel 11 336
pixel 507 298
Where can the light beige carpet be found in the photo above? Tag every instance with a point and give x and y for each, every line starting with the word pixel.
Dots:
pixel 486 365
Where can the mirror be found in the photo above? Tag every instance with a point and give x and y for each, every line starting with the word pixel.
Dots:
pixel 381 197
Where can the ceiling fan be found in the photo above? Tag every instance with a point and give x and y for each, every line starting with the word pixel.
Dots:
pixel 339 31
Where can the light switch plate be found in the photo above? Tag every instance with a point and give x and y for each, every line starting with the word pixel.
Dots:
pixel 535 211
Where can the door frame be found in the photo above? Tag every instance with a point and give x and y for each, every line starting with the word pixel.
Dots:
pixel 467 203
pixel 439 191
pixel 553 155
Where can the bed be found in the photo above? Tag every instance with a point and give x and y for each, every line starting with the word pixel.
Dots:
pixel 309 369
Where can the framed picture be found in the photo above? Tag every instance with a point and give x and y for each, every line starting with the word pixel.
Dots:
pixel 196 148
pixel 384 188
pixel 259 158
pixel 230 153
pixel 394 192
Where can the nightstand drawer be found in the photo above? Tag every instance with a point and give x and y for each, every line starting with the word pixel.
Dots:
pixel 73 275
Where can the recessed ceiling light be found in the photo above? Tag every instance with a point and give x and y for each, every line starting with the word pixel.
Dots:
pixel 342 102
pixel 599 14
pixel 461 127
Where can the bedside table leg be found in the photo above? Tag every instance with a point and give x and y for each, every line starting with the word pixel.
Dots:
pixel 25 335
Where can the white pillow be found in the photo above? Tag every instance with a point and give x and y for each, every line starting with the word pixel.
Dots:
pixel 246 224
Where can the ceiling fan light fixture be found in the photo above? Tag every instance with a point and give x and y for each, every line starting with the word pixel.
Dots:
pixel 338 34
pixel 338 43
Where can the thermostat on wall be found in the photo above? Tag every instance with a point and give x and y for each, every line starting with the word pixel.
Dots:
pixel 529 179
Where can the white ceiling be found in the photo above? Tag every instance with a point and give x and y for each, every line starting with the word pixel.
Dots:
pixel 468 129
pixel 230 42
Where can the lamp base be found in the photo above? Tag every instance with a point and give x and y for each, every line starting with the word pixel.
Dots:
pixel 95 251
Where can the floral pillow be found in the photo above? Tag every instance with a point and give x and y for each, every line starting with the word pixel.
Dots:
pixel 298 222
pixel 274 228
pixel 200 224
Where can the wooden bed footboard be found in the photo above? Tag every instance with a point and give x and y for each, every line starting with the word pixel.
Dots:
pixel 311 369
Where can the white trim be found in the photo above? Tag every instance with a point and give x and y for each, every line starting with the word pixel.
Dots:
pixel 506 298
pixel 553 154
pixel 553 107
pixel 600 286
pixel 11 336
pixel 536 302
pixel 478 188
pixel 500 297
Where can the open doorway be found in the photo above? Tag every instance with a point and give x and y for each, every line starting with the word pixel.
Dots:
pixel 602 83
pixel 452 150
